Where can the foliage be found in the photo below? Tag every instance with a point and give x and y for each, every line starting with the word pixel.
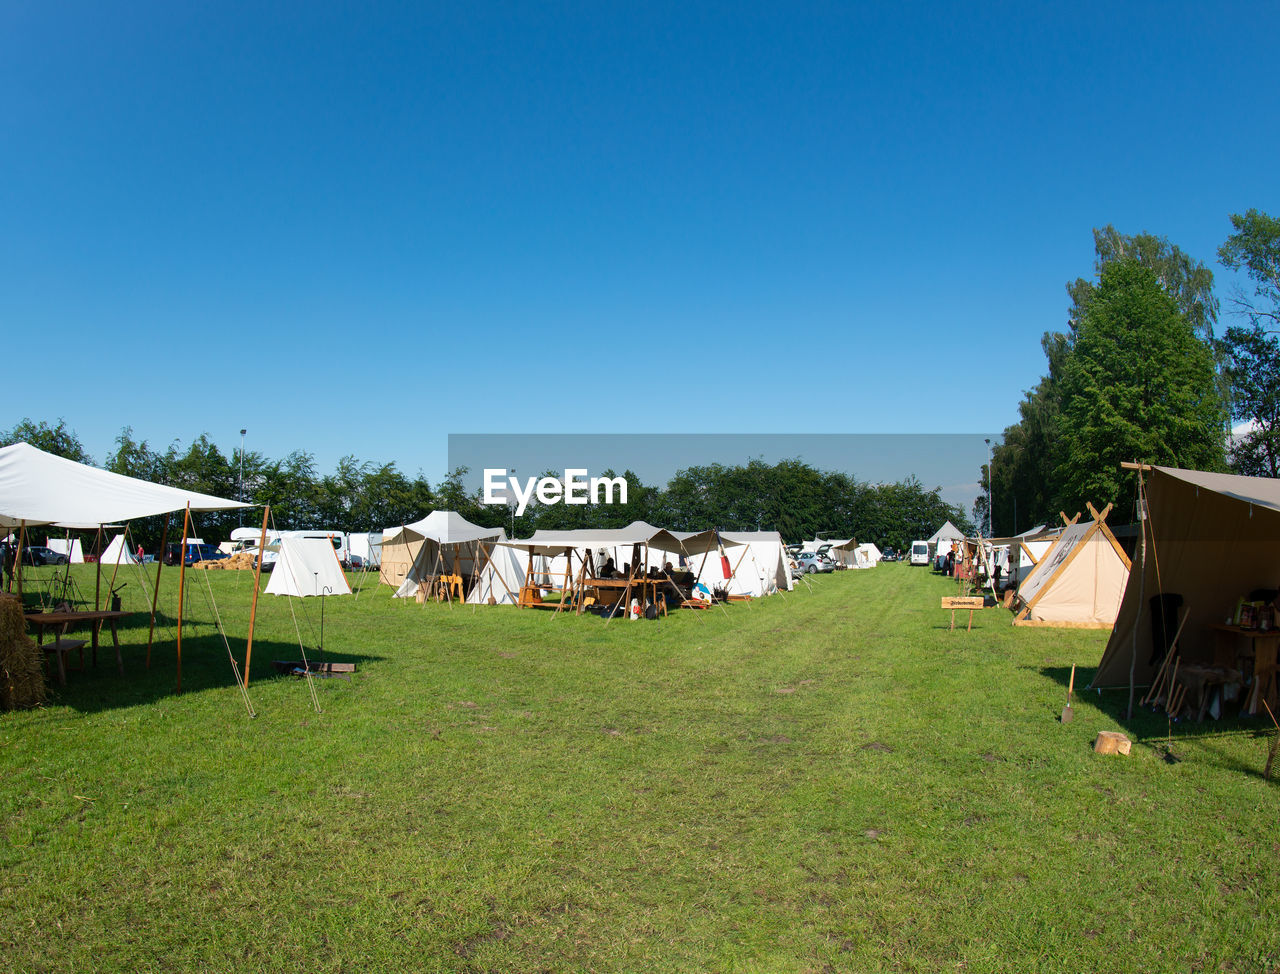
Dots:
pixel 58 440
pixel 1047 462
pixel 1253 367
pixel 1255 249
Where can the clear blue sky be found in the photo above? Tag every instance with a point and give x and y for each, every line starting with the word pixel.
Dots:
pixel 358 228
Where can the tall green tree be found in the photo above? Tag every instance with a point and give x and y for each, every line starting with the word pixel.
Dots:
pixel 1139 385
pixel 1255 249
pixel 58 440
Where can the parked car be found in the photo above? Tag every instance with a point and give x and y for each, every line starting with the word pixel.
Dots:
pixel 38 554
pixel 195 552
pixel 920 553
pixel 810 563
pixel 354 563
pixel 888 555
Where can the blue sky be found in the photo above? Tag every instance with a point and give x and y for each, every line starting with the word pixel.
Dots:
pixel 356 229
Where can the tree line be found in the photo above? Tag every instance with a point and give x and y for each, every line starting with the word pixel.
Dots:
pixel 1140 374
pixel 791 497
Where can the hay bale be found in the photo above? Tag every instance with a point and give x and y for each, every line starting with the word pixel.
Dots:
pixel 21 667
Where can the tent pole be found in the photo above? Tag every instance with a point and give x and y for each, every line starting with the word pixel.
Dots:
pixel 155 595
pixel 1142 578
pixel 253 608
pixel 22 540
pixel 182 578
pixel 97 575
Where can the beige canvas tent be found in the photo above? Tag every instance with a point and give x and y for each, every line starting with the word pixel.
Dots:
pixel 1079 582
pixel 1211 538
pixel 443 542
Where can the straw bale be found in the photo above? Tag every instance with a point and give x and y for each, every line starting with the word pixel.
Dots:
pixel 21 671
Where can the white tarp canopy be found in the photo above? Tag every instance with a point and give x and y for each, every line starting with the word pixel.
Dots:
pixel 307 566
pixel 442 527
pixel 40 488
pixel 117 553
pixel 549 544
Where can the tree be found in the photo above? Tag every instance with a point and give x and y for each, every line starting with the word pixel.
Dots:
pixel 1139 385
pixel 1253 368
pixel 58 440
pixel 1255 249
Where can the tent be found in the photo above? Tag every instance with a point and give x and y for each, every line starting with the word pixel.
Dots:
pixel 307 567
pixel 117 553
pixel 443 542
pixel 502 570
pixel 866 555
pixel 759 562
pixel 1079 582
pixel 940 542
pixel 69 547
pixel 1211 538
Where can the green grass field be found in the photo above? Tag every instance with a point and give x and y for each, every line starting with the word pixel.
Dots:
pixel 826 781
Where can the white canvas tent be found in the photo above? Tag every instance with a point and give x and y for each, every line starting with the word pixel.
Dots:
pixel 940 542
pixel 501 572
pixel 442 542
pixel 71 548
pixel 758 560
pixel 117 553
pixel 1079 582
pixel 866 556
pixel 307 567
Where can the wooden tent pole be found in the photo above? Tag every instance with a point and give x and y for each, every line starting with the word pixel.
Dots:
pixel 1142 579
pixel 17 565
pixel 155 594
pixel 97 575
pixel 182 578
pixel 253 608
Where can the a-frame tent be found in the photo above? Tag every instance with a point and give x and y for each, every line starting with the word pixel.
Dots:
pixel 940 542
pixel 307 567
pixel 117 553
pixel 1079 582
pixel 1212 538
pixel 758 561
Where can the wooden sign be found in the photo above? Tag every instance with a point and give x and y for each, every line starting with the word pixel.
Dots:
pixel 969 602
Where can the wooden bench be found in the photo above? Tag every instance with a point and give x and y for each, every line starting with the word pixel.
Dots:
pixel 59 649
pixel 970 602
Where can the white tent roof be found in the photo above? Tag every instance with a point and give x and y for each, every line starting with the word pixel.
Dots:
pixel 948 532
pixel 307 566
pixel 40 488
pixel 552 543
pixel 442 527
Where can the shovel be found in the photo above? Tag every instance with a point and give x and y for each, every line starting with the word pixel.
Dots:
pixel 1067 715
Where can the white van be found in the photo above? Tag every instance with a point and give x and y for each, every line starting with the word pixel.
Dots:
pixel 920 553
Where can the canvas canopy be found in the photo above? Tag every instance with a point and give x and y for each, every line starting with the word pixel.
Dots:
pixel 1080 580
pixel 1211 538
pixel 307 567
pixel 402 545
pixel 117 553
pixel 866 556
pixel 40 488
pixel 501 573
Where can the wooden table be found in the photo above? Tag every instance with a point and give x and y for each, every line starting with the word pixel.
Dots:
pixel 47 620
pixel 1263 646
pixel 641 585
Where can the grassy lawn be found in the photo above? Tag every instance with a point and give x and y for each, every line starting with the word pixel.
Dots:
pixel 824 781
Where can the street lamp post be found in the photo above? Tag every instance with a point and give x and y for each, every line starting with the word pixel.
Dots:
pixel 991 487
pixel 241 497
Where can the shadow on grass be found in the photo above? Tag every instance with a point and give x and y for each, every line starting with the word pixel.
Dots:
pixel 205 666
pixel 1152 729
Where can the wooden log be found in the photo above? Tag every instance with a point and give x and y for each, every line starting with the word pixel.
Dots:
pixel 1112 742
